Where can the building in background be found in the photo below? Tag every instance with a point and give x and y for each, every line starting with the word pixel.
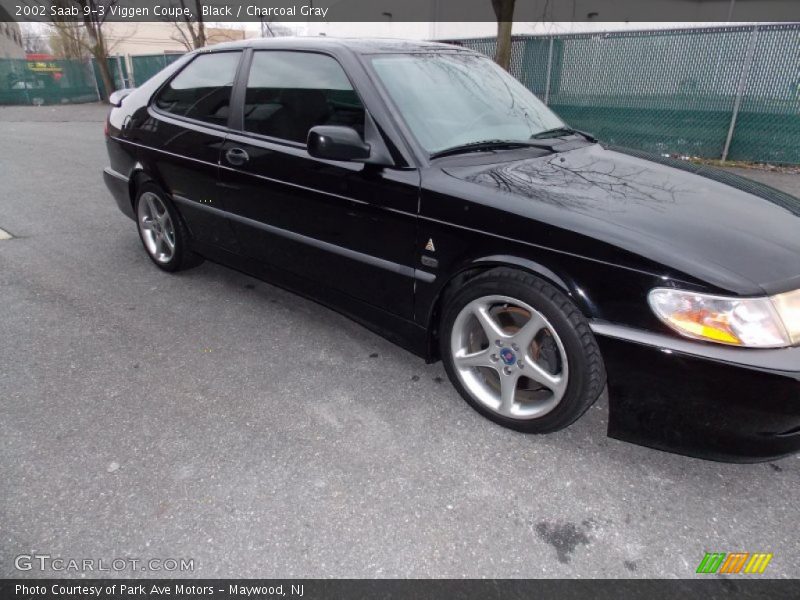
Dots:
pixel 141 49
pixel 134 39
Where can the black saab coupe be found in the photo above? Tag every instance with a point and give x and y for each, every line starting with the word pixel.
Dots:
pixel 423 191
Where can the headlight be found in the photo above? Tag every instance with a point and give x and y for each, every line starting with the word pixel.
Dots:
pixel 788 307
pixel 749 322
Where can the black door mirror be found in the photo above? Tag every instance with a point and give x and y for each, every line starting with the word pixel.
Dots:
pixel 335 142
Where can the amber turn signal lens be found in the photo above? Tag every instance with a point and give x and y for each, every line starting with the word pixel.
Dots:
pixel 748 322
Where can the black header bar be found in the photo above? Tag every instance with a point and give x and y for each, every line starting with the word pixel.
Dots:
pixel 697 11
pixel 745 587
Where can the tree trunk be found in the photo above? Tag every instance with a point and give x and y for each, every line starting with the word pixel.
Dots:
pixel 105 73
pixel 94 29
pixel 504 11
pixel 200 40
pixel 194 37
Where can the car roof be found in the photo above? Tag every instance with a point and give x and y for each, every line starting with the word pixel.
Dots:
pixel 357 45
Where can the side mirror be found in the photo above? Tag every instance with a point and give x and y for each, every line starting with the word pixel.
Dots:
pixel 116 98
pixel 335 142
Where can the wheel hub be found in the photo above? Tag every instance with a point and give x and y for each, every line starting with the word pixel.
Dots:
pixel 507 355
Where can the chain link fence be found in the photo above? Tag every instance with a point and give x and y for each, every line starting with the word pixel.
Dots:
pixel 51 81
pixel 145 66
pixel 40 82
pixel 726 92
pixel 118 67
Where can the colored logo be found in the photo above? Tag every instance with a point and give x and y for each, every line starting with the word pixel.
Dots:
pixel 734 562
pixel 508 356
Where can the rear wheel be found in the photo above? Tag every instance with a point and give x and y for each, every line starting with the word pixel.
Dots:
pixel 163 234
pixel 520 352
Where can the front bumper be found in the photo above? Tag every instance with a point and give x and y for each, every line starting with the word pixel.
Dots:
pixel 704 400
pixel 119 186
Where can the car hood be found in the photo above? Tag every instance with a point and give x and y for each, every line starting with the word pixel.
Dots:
pixel 726 230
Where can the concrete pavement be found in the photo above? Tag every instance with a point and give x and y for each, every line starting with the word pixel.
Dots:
pixel 212 416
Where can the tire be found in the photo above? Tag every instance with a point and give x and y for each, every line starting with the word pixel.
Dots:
pixel 541 371
pixel 165 237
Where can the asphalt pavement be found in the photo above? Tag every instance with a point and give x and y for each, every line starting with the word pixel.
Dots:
pixel 213 417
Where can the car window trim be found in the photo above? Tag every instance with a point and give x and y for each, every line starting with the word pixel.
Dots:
pixel 236 117
pixel 246 76
pixel 193 124
pixel 152 103
pixel 262 141
pixel 272 140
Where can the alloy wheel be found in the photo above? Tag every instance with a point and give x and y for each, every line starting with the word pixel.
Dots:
pixel 509 357
pixel 155 224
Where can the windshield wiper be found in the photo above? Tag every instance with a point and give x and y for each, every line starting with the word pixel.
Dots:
pixel 561 132
pixel 483 145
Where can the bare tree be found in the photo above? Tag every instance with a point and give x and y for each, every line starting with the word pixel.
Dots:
pixel 86 38
pixel 504 11
pixel 91 38
pixel 269 28
pixel 190 31
pixel 69 40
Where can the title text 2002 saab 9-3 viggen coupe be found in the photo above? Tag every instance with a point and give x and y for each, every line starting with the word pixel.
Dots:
pixel 423 191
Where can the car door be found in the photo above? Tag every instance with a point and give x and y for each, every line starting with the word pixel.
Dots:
pixel 182 137
pixel 347 226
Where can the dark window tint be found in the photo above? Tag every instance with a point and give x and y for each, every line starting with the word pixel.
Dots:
pixel 288 93
pixel 203 89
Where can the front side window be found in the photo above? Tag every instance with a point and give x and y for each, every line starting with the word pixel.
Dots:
pixel 453 99
pixel 288 93
pixel 202 90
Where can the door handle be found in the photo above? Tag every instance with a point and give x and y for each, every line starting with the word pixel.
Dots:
pixel 236 156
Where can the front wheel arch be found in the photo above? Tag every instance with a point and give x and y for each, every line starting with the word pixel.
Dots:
pixel 572 391
pixel 480 266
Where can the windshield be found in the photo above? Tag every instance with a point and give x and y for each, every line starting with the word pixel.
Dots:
pixel 448 100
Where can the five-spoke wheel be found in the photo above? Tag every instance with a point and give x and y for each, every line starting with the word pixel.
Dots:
pixel 509 357
pixel 158 231
pixel 163 234
pixel 519 351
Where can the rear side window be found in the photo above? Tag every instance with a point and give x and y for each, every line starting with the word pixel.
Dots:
pixel 203 89
pixel 288 93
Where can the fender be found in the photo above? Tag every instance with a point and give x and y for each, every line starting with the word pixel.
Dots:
pixel 526 264
pixel 565 284
pixel 139 174
pixel 141 171
pixel 133 179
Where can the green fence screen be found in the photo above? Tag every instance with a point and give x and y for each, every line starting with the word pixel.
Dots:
pixel 51 81
pixel 672 91
pixel 119 73
pixel 145 66
pixel 64 81
pixel 46 82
